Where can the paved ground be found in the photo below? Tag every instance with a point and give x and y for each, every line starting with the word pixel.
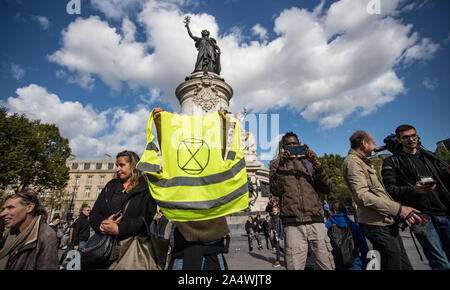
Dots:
pixel 239 258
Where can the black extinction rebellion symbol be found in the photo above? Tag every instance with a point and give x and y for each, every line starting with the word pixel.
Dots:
pixel 197 157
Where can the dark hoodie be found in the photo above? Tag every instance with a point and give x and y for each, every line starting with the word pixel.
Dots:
pixel 359 239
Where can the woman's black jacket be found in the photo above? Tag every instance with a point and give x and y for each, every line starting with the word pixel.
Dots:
pixel 141 204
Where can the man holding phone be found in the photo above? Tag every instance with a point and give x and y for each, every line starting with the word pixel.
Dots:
pixel 418 178
pixel 296 177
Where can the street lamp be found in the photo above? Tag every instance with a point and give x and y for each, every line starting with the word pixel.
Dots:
pixel 70 211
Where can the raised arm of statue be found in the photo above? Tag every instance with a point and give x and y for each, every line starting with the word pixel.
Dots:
pixel 186 23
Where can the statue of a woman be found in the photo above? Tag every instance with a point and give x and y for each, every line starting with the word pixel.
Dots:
pixel 208 58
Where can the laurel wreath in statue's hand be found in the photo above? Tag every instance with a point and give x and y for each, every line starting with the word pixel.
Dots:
pixel 187 20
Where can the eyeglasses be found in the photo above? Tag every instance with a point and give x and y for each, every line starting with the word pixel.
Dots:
pixel 406 137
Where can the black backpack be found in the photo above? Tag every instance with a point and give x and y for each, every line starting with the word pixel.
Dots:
pixel 343 247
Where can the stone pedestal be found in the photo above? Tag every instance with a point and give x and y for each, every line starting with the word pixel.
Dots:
pixel 203 93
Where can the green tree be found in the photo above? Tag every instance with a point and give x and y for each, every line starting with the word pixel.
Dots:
pixel 332 165
pixel 33 156
pixel 443 153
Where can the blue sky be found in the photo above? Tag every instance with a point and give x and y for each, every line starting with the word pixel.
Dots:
pixel 326 68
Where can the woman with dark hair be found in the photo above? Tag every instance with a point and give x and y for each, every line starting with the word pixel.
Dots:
pixel 125 205
pixel 28 243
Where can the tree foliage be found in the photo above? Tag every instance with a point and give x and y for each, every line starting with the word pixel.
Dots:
pixel 33 156
pixel 443 153
pixel 332 165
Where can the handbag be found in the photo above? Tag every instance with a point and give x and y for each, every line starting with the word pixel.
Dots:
pixel 100 250
pixel 141 252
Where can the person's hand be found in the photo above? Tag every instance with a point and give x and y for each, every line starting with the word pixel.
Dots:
pixel 156 112
pixel 284 156
pixel 312 157
pixel 110 226
pixel 421 188
pixel 409 215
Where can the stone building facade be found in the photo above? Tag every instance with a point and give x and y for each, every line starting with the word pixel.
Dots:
pixel 87 178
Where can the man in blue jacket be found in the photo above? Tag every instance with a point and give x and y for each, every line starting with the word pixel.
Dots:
pixel 340 219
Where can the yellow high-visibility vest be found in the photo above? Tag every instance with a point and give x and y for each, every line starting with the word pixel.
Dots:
pixel 195 182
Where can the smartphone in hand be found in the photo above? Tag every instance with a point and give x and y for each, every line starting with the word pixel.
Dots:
pixel 297 151
pixel 428 181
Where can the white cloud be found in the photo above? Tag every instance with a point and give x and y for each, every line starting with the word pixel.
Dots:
pixel 260 31
pixel 326 65
pixel 89 131
pixel 430 84
pixel 42 20
pixel 71 117
pixel 116 9
pixel 421 51
pixel 17 72
pixel 447 40
pixel 60 74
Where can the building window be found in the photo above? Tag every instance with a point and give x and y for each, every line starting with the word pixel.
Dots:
pixel 77 180
pixel 102 179
pixel 110 165
pixel 98 191
pixel 75 190
pixel 87 193
pixel 87 166
pixel 90 179
pixel 98 166
pixel 74 165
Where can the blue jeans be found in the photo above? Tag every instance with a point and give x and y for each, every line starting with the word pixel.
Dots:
pixel 436 242
pixel 277 248
pixel 178 263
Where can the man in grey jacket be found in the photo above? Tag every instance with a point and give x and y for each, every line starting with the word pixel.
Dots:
pixel 28 242
pixel 377 211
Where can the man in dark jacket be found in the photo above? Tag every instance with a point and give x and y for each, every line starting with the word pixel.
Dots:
pixel 252 233
pixel 402 176
pixel 276 228
pixel 81 229
pixel 28 243
pixel 266 231
pixel 296 180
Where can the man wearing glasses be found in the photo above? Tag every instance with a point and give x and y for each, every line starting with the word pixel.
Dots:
pixel 418 178
pixel 81 229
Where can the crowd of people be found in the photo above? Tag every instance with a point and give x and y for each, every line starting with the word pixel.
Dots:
pixel 413 191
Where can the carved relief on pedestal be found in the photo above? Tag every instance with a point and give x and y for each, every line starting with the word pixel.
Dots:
pixel 206 95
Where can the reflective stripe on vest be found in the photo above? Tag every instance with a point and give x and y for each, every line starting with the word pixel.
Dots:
pixel 195 182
